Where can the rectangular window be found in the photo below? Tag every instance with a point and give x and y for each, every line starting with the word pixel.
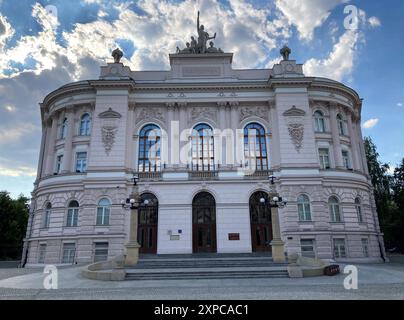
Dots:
pixel 69 251
pixel 103 216
pixel 42 253
pixel 339 248
pixel 59 161
pixel 345 159
pixel 72 217
pixel 46 219
pixel 324 158
pixel 365 247
pixel 81 161
pixel 308 248
pixel 101 251
pixel 359 212
pixel 304 211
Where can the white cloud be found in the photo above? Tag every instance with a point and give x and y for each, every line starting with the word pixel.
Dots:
pixel 6 32
pixel 400 104
pixel 11 134
pixel 17 171
pixel 370 123
pixel 374 22
pixel 340 61
pixel 307 15
pixel 10 108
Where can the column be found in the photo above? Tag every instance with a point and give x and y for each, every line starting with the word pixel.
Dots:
pixel 67 155
pixel 278 251
pixel 274 143
pixel 183 126
pixel 170 118
pixel 131 145
pixel 354 144
pixel 223 133
pixel 234 122
pixel 132 247
pixel 335 137
pixel 362 149
pixel 50 146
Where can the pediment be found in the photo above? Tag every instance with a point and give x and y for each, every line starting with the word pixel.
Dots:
pixel 294 112
pixel 109 114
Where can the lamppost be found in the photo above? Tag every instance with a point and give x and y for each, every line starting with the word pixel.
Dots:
pixel 274 202
pixel 132 203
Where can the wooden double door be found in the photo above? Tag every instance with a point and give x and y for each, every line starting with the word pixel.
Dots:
pixel 204 223
pixel 147 223
pixel 261 223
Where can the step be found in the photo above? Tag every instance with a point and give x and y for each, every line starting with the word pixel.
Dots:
pixel 200 264
pixel 207 275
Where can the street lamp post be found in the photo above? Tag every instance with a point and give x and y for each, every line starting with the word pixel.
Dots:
pixel 132 247
pixel 274 202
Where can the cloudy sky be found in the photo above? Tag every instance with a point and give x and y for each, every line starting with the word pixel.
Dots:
pixel 46 44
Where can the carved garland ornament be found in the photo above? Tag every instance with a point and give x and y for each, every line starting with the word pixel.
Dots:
pixel 109 128
pixel 294 120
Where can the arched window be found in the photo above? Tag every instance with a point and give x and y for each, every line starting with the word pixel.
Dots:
pixel 103 212
pixel 46 219
pixel 358 209
pixel 85 125
pixel 150 148
pixel 72 214
pixel 255 148
pixel 303 207
pixel 63 129
pixel 333 205
pixel 319 125
pixel 341 125
pixel 202 148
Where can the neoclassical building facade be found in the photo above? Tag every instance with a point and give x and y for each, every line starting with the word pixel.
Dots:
pixel 203 138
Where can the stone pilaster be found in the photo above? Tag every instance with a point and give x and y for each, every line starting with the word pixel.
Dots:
pixel 68 156
pixel 354 144
pixel 335 138
pixel 50 147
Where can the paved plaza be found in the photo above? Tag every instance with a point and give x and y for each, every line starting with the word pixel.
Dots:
pixel 376 281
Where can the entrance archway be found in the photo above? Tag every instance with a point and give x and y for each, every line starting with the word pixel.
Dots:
pixel 147 223
pixel 261 224
pixel 204 223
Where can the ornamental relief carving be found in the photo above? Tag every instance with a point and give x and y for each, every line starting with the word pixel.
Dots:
pixel 147 113
pixel 203 113
pixel 109 127
pixel 294 118
pixel 108 134
pixel 260 112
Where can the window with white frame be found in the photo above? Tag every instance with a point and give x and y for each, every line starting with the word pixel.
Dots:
pixel 202 148
pixel 42 253
pixel 63 129
pixel 334 207
pixel 303 207
pixel 255 148
pixel 365 247
pixel 85 125
pixel 103 212
pixel 47 214
pixel 81 161
pixel 358 209
pixel 72 214
pixel 100 251
pixel 59 162
pixel 319 124
pixel 339 248
pixel 345 159
pixel 69 251
pixel 149 159
pixel 341 124
pixel 308 248
pixel 324 158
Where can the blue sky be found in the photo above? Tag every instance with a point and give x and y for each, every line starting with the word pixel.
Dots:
pixel 42 48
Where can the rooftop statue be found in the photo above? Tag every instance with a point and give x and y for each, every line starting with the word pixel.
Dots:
pixel 285 52
pixel 199 46
pixel 117 55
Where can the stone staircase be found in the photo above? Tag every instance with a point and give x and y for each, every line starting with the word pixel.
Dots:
pixel 206 266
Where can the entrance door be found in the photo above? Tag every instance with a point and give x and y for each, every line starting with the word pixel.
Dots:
pixel 204 223
pixel 147 223
pixel 261 225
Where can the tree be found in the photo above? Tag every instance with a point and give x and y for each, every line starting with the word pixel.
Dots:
pixel 398 198
pixel 13 223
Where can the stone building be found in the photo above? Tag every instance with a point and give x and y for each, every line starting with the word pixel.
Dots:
pixel 203 138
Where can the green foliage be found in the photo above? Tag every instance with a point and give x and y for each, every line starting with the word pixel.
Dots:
pixel 389 196
pixel 13 222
